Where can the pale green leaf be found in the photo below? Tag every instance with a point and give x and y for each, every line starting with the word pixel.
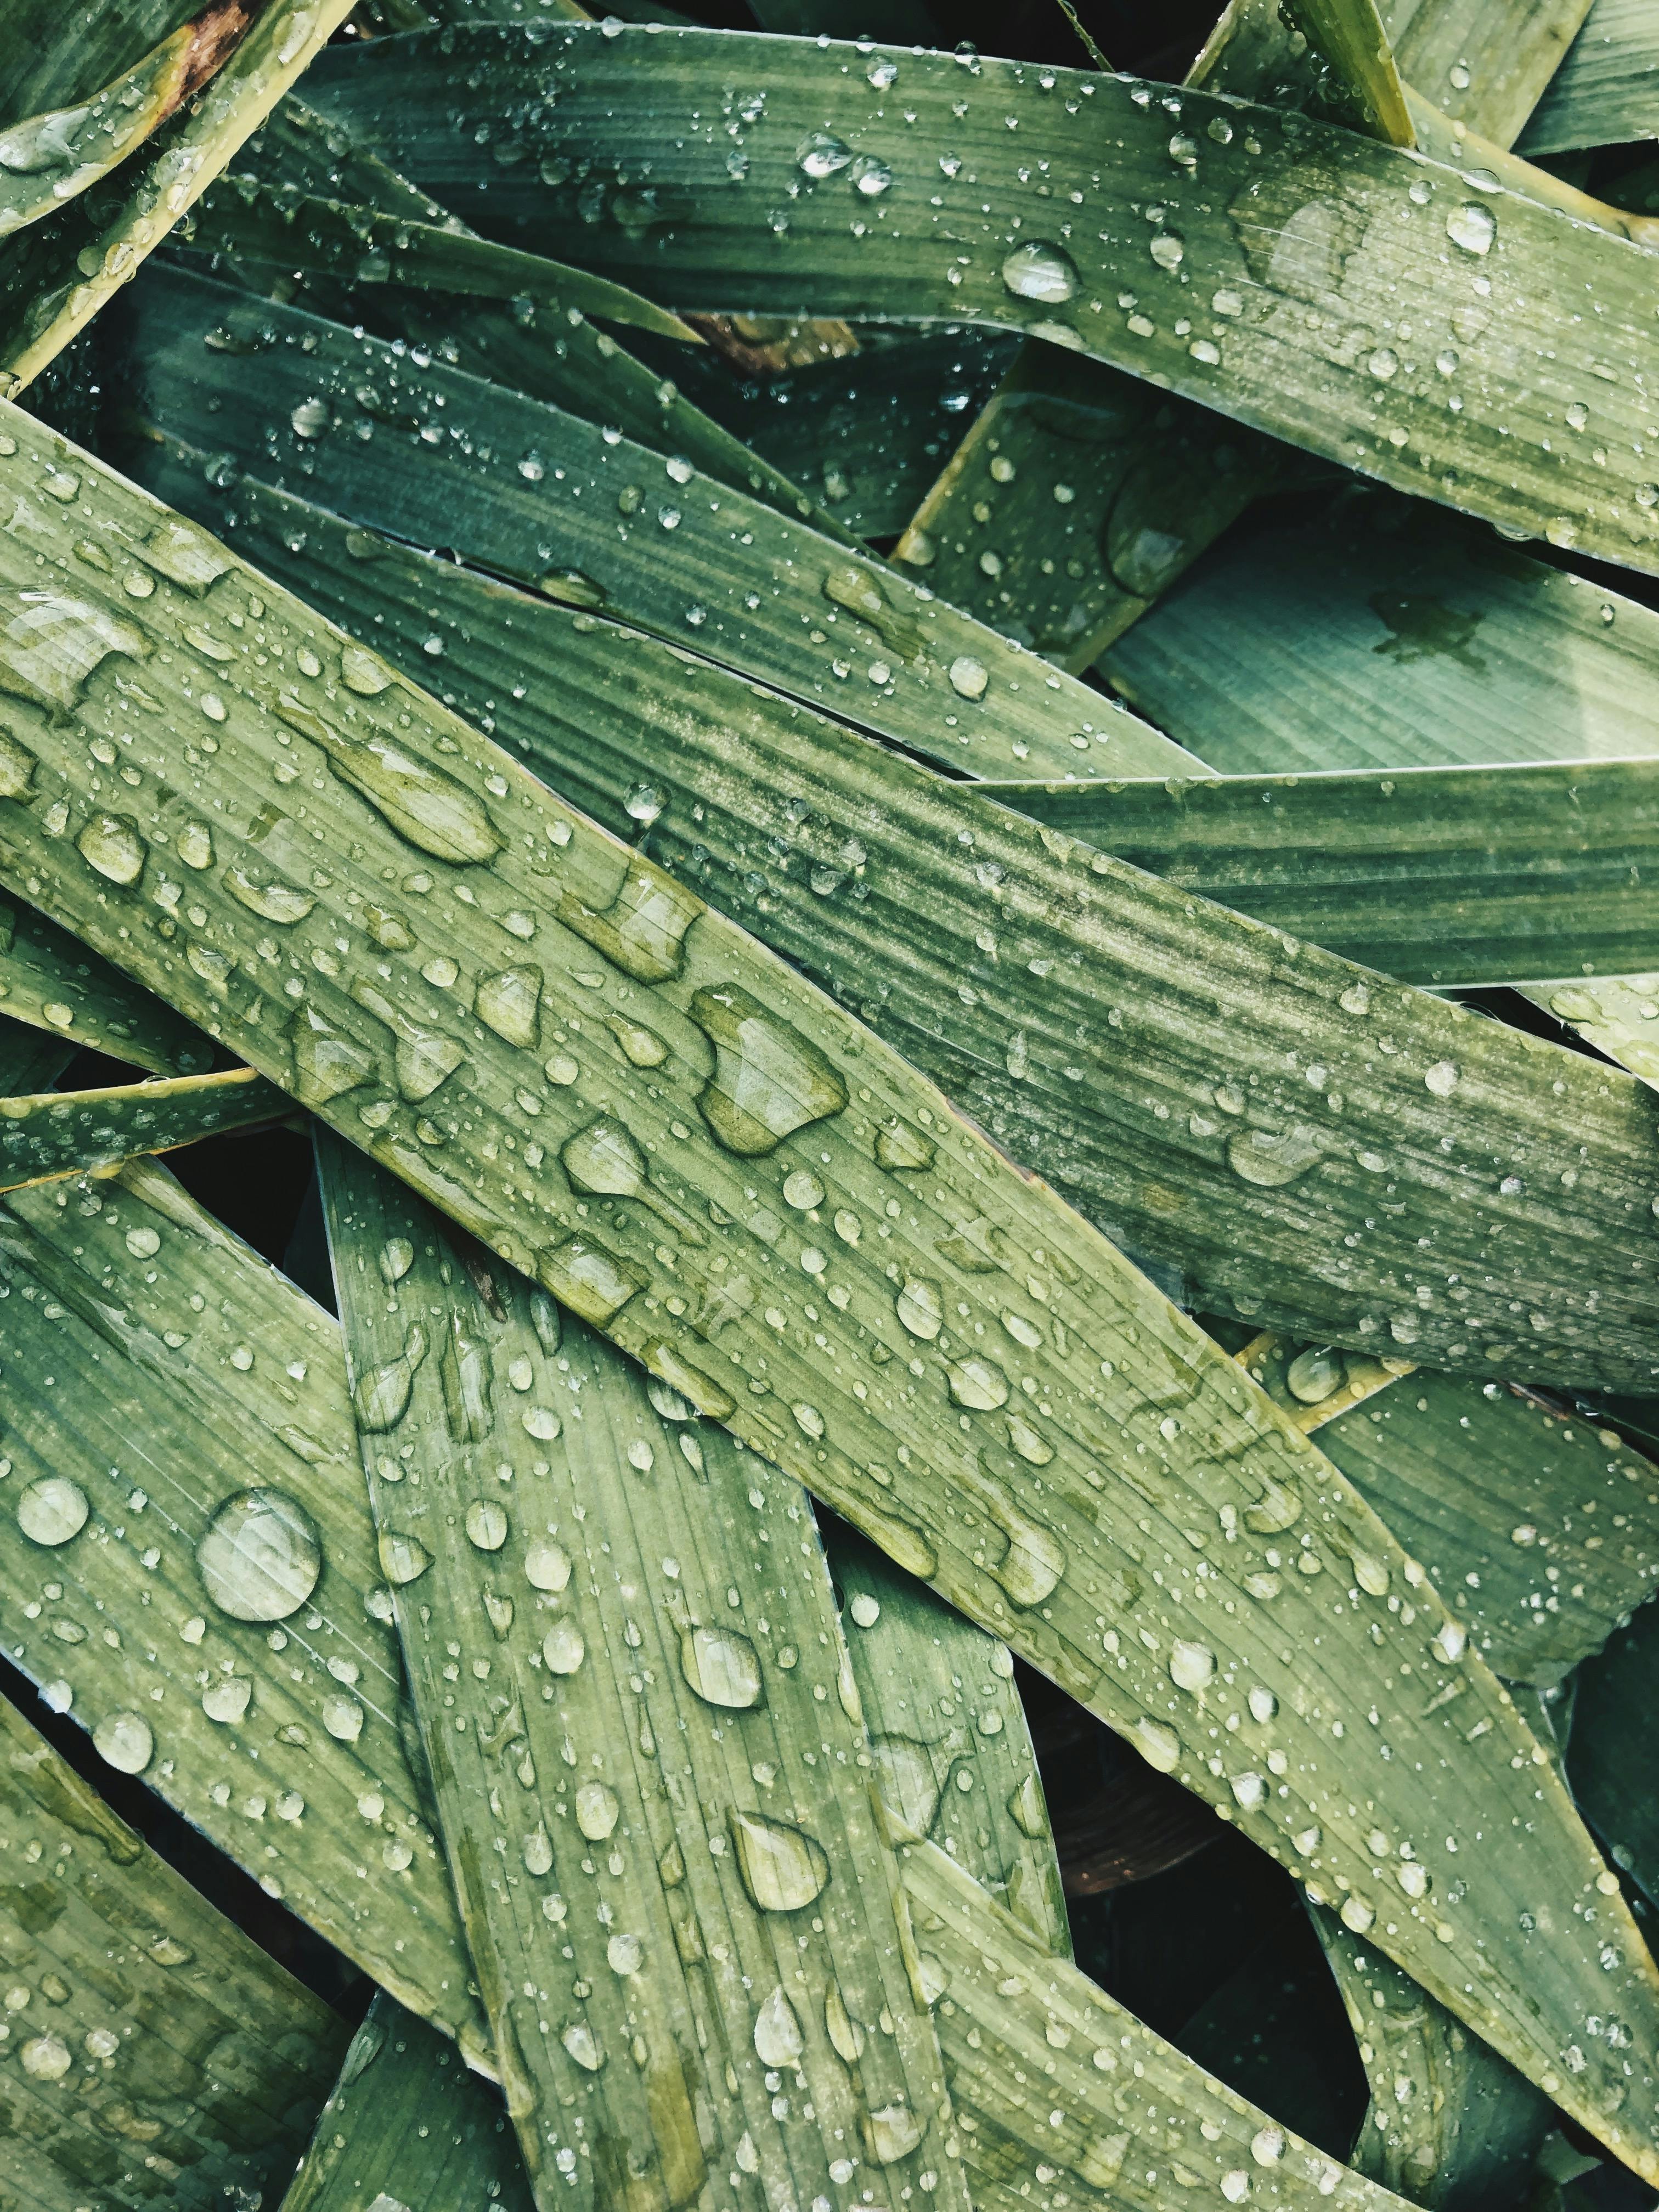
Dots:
pixel 1484 63
pixel 1606 90
pixel 51 981
pixel 1617 1014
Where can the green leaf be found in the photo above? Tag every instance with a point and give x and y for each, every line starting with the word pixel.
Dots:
pixel 629 531
pixel 366 246
pixel 409 2120
pixel 57 275
pixel 682 1077
pixel 174 1408
pixel 151 2044
pixel 1450 2125
pixel 1478 264
pixel 953 1750
pixel 54 983
pixel 1452 877
pixel 1341 46
pixel 853 863
pixel 1617 1014
pixel 54 1133
pixel 1610 1751
pixel 1483 62
pixel 29 1057
pixel 1604 91
pixel 1541 1528
pixel 1383 635
pixel 634 1673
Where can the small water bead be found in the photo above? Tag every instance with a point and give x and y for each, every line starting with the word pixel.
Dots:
pixel 53 1511
pixel 820 154
pixel 722 1666
pixel 1262 1702
pixel 882 72
pixel 870 176
pixel 111 847
pixel 225 1701
pixel 396 1258
pixel 1472 227
pixel 260 1556
pixel 124 1741
pixel 969 677
pixel 547 1565
pixel 1168 250
pixel 1384 363
pixel 403 1559
pixel 563 1647
pixel 866 1609
pixel 486 1524
pixel 1442 1079
pixel 1043 272
pixel 784 1869
pixel 1313 1375
pixel 1160 1747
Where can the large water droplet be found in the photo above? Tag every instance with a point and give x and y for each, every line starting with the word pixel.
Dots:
pixel 507 1004
pixel 1313 1375
pixel 909 1780
pixel 53 1511
pixel 920 1307
pixel 642 931
pixel 422 804
pixel 269 896
pixel 783 1868
pixel 486 1524
pixel 260 1556
pixel 1160 1747
pixel 463 1375
pixel 902 1146
pixel 227 1699
pixel 579 2041
pixel 1192 1666
pixel 49 648
pixel 870 176
pixel 381 1396
pixel 421 1057
pixel 768 1081
pixel 547 1565
pixel 1039 270
pixel 563 1647
pixel 403 1559
pixel 819 155
pixel 892 2133
pixel 1272 1158
pixel 1472 227
pixel 969 677
pixel 846 2033
pixel 979 1384
pixel 1027 1809
pixel 779 2041
pixel 110 845
pixel 721 1666
pixel 327 1063
pixel 597 1810
pixel 124 1741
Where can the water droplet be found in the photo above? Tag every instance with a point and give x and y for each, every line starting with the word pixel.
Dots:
pixel 1357 1914
pixel 783 1868
pixel 845 2033
pixel 864 1609
pixel 48 650
pixel 311 418
pixel 1027 1810
pixel 968 676
pixel 1472 227
pixel 978 1384
pixel 1167 250
pixel 642 931
pixel 910 1784
pixel 396 1258
pixel 53 1511
pixel 1192 1666
pixel 767 1080
pixel 1262 1702
pixel 46 2057
pixel 110 844
pixel 403 1559
pixel 722 1666
pixel 1442 1079
pixel 360 671
pixel 124 1741
pixel 381 1397
pixel 920 1307
pixel 870 176
pixel 1039 270
pixel 892 2133
pixel 426 806
pixel 803 1190
pixel 260 1556
pixel 327 1064
pixel 779 2041
pixel 227 1699
pixel 902 1146
pixel 1371 1574
pixel 486 1524
pixel 1269 1158
pixel 1160 1747
pixel 1384 363
pixel 564 1649
pixel 597 1810
pixel 1314 1374
pixel 507 1004
pixel 579 2039
pixel 547 1565
pixel 819 155
pixel 624 1955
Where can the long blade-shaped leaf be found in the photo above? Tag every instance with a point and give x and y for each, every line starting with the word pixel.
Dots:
pixel 65 1132
pixel 1236 184
pixel 1607 88
pixel 1383 636
pixel 844 858
pixel 56 274
pixel 1617 1014
pixel 154 2048
pixel 409 2125
pixel 660 1057
pixel 1484 63
pixel 948 1735
pixel 1443 876
pixel 625 528
pixel 29 1057
pixel 173 1417
pixel 98 1258
pixel 646 1705
pixel 52 983
pixel 1450 2125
